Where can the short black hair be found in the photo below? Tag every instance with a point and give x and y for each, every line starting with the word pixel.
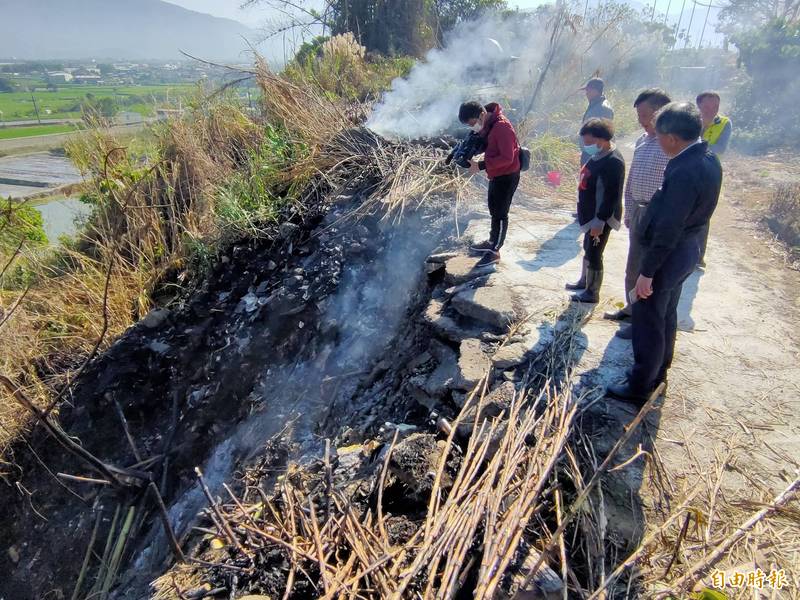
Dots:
pixel 703 95
pixel 595 83
pixel 599 128
pixel 470 110
pixel 681 119
pixel 654 97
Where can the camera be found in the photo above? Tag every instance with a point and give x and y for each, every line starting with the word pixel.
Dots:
pixel 466 149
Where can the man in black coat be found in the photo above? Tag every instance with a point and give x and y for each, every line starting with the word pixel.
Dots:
pixel 670 233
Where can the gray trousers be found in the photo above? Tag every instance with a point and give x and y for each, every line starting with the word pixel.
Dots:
pixel 634 254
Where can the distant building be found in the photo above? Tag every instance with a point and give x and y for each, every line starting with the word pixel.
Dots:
pixel 166 113
pixel 59 77
pixel 92 79
pixel 127 117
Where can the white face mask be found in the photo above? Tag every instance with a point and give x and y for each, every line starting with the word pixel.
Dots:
pixel 591 149
pixel 477 127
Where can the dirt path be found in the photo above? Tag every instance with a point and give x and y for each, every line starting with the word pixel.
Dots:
pixel 38 143
pixel 731 418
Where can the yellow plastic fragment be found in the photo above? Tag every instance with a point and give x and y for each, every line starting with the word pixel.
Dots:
pixel 217 544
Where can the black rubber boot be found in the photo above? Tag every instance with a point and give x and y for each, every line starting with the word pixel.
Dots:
pixel 625 332
pixel 591 295
pixel 581 283
pixel 626 393
pixel 623 314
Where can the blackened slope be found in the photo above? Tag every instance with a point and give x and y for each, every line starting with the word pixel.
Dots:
pixel 188 361
pixel 266 304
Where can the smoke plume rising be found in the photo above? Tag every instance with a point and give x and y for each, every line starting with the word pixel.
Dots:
pixel 491 58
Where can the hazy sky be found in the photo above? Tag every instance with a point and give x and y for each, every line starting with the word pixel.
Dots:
pixel 256 16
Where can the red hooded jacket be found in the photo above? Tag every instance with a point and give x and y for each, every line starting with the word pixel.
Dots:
pixel 502 149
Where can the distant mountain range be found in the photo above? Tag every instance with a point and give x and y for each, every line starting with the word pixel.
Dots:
pixel 115 29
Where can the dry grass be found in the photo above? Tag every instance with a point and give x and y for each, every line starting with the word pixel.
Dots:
pixel 147 218
pixel 702 531
pixel 784 214
pixel 346 156
pixel 502 484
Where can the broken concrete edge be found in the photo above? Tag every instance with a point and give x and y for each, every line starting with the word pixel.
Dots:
pixel 441 258
pixel 493 305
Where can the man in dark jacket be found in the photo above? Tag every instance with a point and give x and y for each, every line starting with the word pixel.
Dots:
pixel 599 107
pixel 645 176
pixel 670 234
pixel 599 204
pixel 501 163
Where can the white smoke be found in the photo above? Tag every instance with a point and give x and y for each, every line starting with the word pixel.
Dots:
pixel 491 58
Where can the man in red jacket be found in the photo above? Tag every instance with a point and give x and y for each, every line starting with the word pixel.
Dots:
pixel 501 163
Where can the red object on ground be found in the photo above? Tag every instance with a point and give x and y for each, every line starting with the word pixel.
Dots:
pixel 554 178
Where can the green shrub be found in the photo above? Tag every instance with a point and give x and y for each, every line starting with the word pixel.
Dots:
pixel 20 222
pixel 255 193
pixel 553 153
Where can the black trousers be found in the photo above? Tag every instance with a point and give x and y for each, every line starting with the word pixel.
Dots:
pixel 593 253
pixel 655 319
pixel 704 241
pixel 501 191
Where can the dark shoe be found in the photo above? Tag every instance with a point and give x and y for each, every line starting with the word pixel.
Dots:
pixel 591 295
pixel 626 393
pixel 625 333
pixel 617 315
pixel 488 259
pixel 578 285
pixel 482 247
pixel 585 296
pixel 581 283
pixel 701 265
pixel 659 380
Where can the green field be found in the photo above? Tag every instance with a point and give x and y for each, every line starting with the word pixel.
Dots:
pixel 66 101
pixel 9 133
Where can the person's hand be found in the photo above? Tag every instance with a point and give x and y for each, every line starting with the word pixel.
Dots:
pixel 644 287
pixel 473 167
pixel 595 232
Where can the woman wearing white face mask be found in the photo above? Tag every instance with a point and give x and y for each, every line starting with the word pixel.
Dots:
pixel 599 204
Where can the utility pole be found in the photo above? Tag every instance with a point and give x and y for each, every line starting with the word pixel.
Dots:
pixel 689 29
pixel 666 14
pixel 653 14
pixel 705 22
pixel 678 24
pixel 36 108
